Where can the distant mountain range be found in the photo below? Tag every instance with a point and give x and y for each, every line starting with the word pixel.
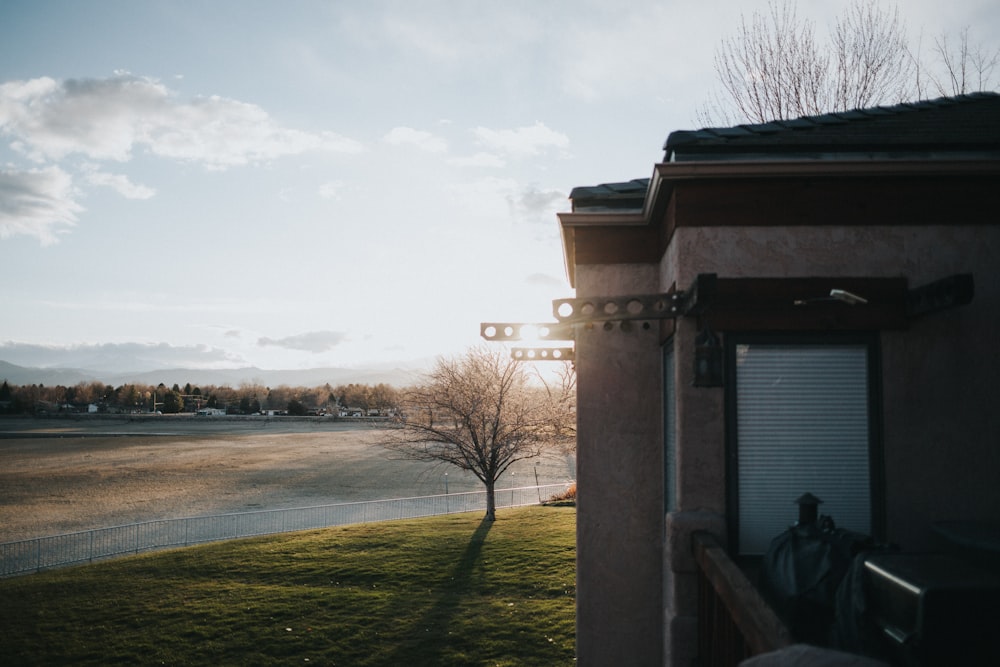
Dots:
pixel 397 376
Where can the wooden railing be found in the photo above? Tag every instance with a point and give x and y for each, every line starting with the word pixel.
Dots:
pixel 734 621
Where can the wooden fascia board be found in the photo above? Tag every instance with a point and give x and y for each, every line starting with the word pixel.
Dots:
pixel 582 231
pixel 568 244
pixel 696 170
pixel 667 174
pixel 602 219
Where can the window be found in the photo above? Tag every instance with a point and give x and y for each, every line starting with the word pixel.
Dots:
pixel 669 429
pixel 801 419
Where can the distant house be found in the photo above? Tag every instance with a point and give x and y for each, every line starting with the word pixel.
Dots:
pixel 831 325
pixel 211 412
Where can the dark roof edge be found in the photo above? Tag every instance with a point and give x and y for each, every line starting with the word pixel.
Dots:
pixel 620 196
pixel 721 135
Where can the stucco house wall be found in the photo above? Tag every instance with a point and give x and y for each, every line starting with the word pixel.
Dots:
pixel 942 367
pixel 619 480
pixel 885 196
pixel 939 399
pixel 941 403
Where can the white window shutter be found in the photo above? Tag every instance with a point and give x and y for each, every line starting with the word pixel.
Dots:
pixel 802 425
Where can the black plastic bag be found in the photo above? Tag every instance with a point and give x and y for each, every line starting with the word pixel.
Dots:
pixel 800 574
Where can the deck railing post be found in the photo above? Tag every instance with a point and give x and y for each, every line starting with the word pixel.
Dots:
pixel 734 621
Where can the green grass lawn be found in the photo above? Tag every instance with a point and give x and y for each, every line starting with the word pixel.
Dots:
pixel 451 590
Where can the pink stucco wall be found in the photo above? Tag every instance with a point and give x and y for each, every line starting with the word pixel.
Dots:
pixel 940 417
pixel 619 480
pixel 940 398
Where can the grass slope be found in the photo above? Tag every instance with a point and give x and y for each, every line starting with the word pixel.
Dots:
pixel 448 590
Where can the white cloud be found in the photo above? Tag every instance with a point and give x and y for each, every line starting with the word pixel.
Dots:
pixel 407 136
pixel 37 202
pixel 110 119
pixel 120 184
pixel 100 118
pixel 522 141
pixel 221 133
pixel 331 190
pixel 534 205
pixel 483 196
pixel 107 119
pixel 480 159
pixel 314 341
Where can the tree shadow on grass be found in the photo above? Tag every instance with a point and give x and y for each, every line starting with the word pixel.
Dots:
pixel 428 634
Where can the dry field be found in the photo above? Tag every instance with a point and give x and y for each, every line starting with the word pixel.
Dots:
pixel 64 475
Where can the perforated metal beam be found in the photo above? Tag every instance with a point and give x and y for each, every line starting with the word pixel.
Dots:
pixel 543 353
pixel 604 308
pixel 514 331
pixel 613 311
pixel 670 305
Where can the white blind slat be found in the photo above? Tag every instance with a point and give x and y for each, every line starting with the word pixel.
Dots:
pixel 802 425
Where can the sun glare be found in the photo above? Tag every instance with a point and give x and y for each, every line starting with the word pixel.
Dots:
pixel 530 332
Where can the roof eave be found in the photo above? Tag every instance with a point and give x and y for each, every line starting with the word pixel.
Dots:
pixel 569 222
pixel 666 175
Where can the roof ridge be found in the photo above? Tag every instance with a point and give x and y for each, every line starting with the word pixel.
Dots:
pixel 682 137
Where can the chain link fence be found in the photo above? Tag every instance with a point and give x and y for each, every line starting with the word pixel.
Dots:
pixel 87 546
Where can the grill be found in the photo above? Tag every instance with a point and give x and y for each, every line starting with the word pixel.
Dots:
pixel 934 609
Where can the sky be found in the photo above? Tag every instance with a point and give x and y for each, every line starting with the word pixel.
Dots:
pixel 311 183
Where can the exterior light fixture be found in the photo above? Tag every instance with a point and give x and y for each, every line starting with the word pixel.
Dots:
pixel 840 295
pixel 847 297
pixel 707 360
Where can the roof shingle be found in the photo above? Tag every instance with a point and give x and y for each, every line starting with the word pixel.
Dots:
pixel 957 125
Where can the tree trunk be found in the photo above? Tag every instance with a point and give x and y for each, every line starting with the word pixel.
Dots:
pixel 491 501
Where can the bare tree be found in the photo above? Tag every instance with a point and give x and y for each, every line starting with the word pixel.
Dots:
pixel 773 68
pixel 559 394
pixel 965 67
pixel 873 64
pixel 478 412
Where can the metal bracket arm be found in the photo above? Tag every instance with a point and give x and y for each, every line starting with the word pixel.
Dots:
pixel 956 290
pixel 609 309
pixel 543 353
pixel 514 331
pixel 670 305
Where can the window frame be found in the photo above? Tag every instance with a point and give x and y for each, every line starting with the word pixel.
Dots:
pixel 876 467
pixel 668 364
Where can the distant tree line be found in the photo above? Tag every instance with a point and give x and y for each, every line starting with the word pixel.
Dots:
pixel 247 399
